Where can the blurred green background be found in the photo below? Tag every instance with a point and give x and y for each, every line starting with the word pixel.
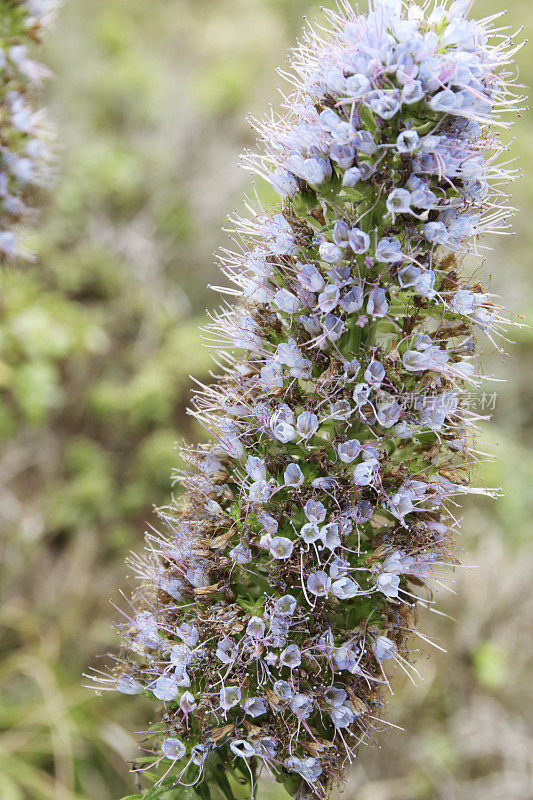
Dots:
pixel 97 341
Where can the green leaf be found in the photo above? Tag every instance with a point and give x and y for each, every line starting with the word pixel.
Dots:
pixel 353 195
pixel 314 223
pixel 291 783
pixel 153 793
pixel 220 778
pixel 158 791
pixel 300 205
pixel 203 791
pixel 368 118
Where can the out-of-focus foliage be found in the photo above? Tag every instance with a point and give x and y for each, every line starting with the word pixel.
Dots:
pixel 97 340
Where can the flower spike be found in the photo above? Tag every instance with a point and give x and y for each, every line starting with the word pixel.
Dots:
pixel 24 149
pixel 286 579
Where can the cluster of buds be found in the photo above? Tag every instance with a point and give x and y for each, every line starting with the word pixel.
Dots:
pixel 24 139
pixel 322 512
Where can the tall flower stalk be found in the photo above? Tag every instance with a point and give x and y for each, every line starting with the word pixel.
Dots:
pixel 24 138
pixel 323 511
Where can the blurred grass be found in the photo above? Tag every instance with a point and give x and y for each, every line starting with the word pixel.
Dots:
pixel 97 341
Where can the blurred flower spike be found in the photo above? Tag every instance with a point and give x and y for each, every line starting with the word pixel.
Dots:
pixel 284 583
pixel 25 156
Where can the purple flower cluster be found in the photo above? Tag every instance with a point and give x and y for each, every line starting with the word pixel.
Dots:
pixel 288 572
pixel 24 151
